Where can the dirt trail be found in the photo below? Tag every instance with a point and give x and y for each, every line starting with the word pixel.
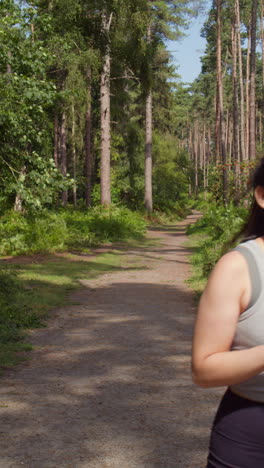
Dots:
pixel 109 383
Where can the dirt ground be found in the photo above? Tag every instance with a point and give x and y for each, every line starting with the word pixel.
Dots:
pixel 109 384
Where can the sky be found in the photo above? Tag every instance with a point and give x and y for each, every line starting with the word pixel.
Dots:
pixel 187 51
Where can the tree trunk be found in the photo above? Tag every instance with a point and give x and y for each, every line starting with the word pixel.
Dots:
pixel 252 83
pixel 241 83
pixel 235 156
pixel 56 140
pixel 247 92
pixel 196 156
pixel 217 127
pixel 74 159
pixel 105 117
pixel 221 102
pixel 18 205
pixel 88 148
pixel 262 57
pixel 148 145
pixel 63 155
pixel 204 159
pixel 148 154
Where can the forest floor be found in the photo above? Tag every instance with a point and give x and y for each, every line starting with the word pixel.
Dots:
pixel 108 384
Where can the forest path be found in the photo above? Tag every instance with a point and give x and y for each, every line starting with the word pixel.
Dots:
pixel 109 383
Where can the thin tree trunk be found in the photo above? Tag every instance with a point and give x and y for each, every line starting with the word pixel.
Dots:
pixel 196 156
pixel 247 92
pixel 235 156
pixel 63 155
pixel 74 161
pixel 88 147
pixel 252 83
pixel 18 205
pixel 148 144
pixel 262 57
pixel 105 117
pixel 241 83
pixel 148 154
pixel 204 159
pixel 217 127
pixel 221 102
pixel 56 140
pixel 260 128
pixel 227 127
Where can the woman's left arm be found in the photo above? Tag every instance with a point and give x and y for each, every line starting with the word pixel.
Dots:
pixel 213 364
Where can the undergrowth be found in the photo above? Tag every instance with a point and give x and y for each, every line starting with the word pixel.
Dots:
pixel 212 236
pixel 57 231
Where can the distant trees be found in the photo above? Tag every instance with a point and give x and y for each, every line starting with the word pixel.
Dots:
pixel 229 119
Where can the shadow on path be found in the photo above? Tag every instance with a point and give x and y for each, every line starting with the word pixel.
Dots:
pixel 109 384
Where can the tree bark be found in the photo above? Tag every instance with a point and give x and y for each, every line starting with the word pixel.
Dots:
pixel 18 205
pixel 217 128
pixel 88 147
pixel 196 156
pixel 148 145
pixel 241 83
pixel 74 159
pixel 221 101
pixel 148 154
pixel 247 92
pixel 63 155
pixel 236 157
pixel 105 117
pixel 56 140
pixel 262 58
pixel 252 83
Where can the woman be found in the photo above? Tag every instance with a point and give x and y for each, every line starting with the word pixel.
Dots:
pixel 228 345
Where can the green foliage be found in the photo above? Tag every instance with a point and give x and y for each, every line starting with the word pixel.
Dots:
pixel 238 186
pixel 170 173
pixel 21 234
pixel 217 227
pixel 51 232
pixel 100 225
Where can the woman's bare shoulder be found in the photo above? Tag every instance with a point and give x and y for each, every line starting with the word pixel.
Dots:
pixel 232 262
pixel 229 274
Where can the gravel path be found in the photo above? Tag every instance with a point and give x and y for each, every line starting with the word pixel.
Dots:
pixel 109 383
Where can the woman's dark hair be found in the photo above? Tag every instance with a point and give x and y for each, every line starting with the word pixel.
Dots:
pixel 254 226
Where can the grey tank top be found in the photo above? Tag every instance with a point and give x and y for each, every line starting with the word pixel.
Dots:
pixel 250 326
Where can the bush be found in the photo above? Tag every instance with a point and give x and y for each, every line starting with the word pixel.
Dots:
pixel 46 234
pixel 99 225
pixel 218 227
pixel 52 231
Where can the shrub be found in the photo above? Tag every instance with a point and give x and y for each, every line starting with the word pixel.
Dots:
pixel 101 224
pixel 218 226
pixel 50 231
pixel 46 234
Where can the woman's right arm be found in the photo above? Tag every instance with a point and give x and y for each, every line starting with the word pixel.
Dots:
pixel 213 364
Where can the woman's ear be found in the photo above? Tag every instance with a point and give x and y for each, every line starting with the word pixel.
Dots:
pixel 259 196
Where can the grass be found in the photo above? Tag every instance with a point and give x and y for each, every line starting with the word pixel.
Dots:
pixel 43 283
pixel 197 281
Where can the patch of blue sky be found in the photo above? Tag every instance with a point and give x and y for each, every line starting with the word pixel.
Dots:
pixel 186 52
